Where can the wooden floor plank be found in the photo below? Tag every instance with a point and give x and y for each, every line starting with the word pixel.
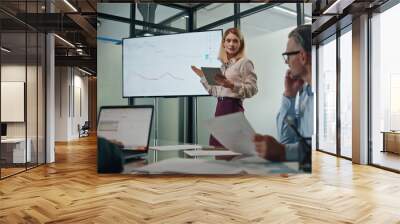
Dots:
pixel 70 191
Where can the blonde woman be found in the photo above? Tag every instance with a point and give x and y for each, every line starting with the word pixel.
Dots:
pixel 237 81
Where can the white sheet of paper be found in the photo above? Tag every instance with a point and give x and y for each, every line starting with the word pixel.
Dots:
pixel 189 166
pixel 234 132
pixel 175 147
pixel 211 153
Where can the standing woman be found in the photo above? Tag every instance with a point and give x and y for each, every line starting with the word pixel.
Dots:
pixel 237 81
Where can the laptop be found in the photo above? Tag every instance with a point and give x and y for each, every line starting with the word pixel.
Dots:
pixel 127 126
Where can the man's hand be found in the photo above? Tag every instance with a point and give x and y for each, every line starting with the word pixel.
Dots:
pixel 292 85
pixel 261 145
pixel 269 148
pixel 222 81
pixel 198 71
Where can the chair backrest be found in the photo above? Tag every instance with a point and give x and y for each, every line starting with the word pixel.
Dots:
pixel 86 125
pixel 109 157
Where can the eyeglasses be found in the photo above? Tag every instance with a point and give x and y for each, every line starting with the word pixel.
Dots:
pixel 286 55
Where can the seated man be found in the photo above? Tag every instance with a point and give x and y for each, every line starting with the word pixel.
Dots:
pixel 297 103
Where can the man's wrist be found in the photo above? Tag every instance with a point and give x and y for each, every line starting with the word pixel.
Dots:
pixel 289 94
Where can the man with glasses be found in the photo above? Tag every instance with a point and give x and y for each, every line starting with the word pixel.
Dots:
pixel 296 112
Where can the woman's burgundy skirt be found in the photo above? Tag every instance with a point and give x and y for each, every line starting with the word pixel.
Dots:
pixel 226 105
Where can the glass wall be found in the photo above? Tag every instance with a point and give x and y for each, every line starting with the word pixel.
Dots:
pixel 327 96
pixel 170 124
pixel 213 12
pixel 346 93
pixel 22 94
pixel 385 89
pixel 117 9
pixel 13 84
pixel 110 77
pixel 206 105
pixel 265 33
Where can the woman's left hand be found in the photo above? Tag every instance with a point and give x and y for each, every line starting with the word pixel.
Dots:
pixel 223 81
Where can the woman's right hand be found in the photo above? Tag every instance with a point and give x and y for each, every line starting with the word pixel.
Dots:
pixel 198 71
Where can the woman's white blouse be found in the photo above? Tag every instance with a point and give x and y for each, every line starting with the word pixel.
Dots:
pixel 241 73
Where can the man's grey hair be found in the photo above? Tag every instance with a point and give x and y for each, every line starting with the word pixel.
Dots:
pixel 302 35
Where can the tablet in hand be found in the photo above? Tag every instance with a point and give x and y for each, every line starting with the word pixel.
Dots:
pixel 210 73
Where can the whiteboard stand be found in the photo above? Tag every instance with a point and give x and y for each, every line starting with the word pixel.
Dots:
pixel 155 121
pixel 195 120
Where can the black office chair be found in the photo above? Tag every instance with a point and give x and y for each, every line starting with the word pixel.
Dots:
pixel 109 157
pixel 84 130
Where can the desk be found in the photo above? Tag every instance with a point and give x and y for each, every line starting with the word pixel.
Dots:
pixel 244 165
pixel 13 150
pixel 391 141
pixel 208 153
pixel 171 148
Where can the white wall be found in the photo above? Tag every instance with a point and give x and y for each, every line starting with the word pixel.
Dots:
pixel 266 53
pixel 68 81
pixel 61 103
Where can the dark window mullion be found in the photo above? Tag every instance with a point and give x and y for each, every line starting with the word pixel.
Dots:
pixel 26 87
pixel 317 97
pixel 338 98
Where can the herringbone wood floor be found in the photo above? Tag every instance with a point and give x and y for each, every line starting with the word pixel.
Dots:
pixel 70 191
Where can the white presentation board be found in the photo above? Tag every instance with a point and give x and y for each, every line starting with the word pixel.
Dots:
pixel 160 65
pixel 12 101
pixel 129 125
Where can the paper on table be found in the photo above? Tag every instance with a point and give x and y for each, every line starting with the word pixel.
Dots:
pixel 210 153
pixel 255 166
pixel 189 166
pixel 175 147
pixel 234 132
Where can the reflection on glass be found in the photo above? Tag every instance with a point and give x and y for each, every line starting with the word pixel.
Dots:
pixel 160 14
pixel 394 101
pixel 112 29
pixel 169 122
pixel 327 97
pixel 213 12
pixel 385 84
pixel 265 22
pixel 118 9
pixel 346 94
pixel 41 99
pixel 149 101
pixel 31 101
pixel 206 106
pixel 247 6
pixel 14 149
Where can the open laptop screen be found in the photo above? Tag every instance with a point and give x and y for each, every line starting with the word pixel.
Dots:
pixel 128 125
